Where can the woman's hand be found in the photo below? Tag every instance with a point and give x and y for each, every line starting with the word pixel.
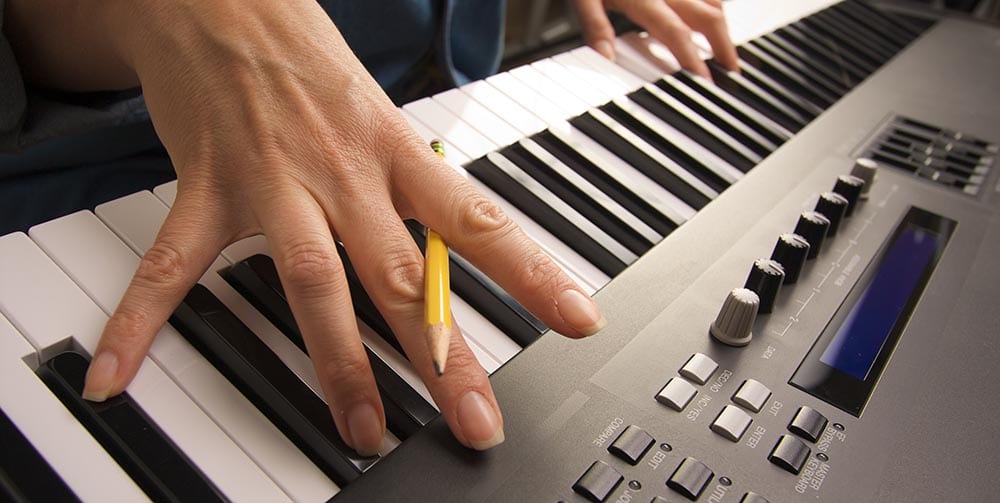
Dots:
pixel 275 127
pixel 669 21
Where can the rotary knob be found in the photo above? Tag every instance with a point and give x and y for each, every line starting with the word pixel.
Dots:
pixel 813 226
pixel 867 170
pixel 734 324
pixel 832 206
pixel 765 280
pixel 850 187
pixel 790 251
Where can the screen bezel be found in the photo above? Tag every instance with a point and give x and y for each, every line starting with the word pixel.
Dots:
pixel 841 389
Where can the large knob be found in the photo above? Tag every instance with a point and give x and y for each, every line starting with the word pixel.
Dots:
pixel 867 170
pixel 734 324
pixel 833 206
pixel 850 187
pixel 813 226
pixel 790 251
pixel 765 280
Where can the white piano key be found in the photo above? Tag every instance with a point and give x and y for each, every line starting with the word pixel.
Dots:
pixel 626 79
pixel 587 91
pixel 529 98
pixel 584 74
pixel 167 192
pixel 534 79
pixel 479 117
pixel 453 130
pixel 455 156
pixel 718 165
pixel 491 98
pixel 34 287
pixel 660 198
pixel 104 272
pixel 748 20
pixel 641 55
pixel 66 445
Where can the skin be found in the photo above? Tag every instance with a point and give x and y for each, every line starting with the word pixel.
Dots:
pixel 274 127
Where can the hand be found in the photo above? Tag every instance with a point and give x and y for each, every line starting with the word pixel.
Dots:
pixel 274 127
pixel 669 21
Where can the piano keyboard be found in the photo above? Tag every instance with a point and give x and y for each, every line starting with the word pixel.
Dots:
pixel 597 161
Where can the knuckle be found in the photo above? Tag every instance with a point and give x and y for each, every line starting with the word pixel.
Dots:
pixel 402 275
pixel 162 264
pixel 538 269
pixel 347 378
pixel 309 267
pixel 128 326
pixel 480 215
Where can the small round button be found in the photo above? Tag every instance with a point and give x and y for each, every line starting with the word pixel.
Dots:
pixel 734 324
pixel 790 251
pixel 867 170
pixel 813 226
pixel 765 280
pixel 832 206
pixel 850 187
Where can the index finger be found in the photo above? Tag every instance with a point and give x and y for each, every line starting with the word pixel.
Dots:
pixel 666 26
pixel 708 18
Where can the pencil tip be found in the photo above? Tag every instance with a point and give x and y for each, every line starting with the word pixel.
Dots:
pixel 438 368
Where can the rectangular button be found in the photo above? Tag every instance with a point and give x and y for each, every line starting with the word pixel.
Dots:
pixel 598 482
pixel 690 478
pixel 789 453
pixel 731 423
pixel 808 423
pixel 752 395
pixel 632 444
pixel 676 394
pixel 699 368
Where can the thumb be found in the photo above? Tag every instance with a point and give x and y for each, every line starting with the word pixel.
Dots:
pixel 596 27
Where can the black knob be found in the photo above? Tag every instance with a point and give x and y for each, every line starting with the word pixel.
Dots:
pixel 765 280
pixel 850 187
pixel 790 251
pixel 832 206
pixel 813 226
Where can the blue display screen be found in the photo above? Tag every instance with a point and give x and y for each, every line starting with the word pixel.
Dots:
pixel 870 322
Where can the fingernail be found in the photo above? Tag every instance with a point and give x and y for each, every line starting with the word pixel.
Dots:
pixel 605 48
pixel 580 312
pixel 100 377
pixel 479 422
pixel 366 429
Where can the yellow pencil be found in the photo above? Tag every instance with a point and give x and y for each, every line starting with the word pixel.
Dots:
pixel 437 292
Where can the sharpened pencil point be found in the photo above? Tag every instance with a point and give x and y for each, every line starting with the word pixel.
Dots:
pixel 438 369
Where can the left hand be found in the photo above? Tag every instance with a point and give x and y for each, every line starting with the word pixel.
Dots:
pixel 669 21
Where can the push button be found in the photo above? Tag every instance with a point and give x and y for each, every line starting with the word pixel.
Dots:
pixel 699 368
pixel 598 482
pixel 731 423
pixel 752 497
pixel 808 423
pixel 676 394
pixel 631 444
pixel 789 453
pixel 690 478
pixel 752 395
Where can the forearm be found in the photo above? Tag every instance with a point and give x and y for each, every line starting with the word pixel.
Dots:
pixel 68 45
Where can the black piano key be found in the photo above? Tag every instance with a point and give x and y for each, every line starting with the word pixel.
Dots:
pixel 895 39
pixel 25 476
pixel 640 161
pixel 758 98
pixel 860 49
pixel 807 67
pixel 829 46
pixel 698 129
pixel 844 70
pixel 780 91
pixel 405 409
pixel 556 216
pixel 885 21
pixel 586 199
pixel 792 78
pixel 274 389
pixel 684 159
pixel 134 440
pixel 759 122
pixel 486 297
pixel 873 40
pixel 718 116
pixel 650 212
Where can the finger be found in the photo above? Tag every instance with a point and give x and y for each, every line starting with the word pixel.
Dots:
pixel 666 26
pixel 391 267
pixel 182 252
pixel 313 277
pixel 479 230
pixel 596 27
pixel 709 19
